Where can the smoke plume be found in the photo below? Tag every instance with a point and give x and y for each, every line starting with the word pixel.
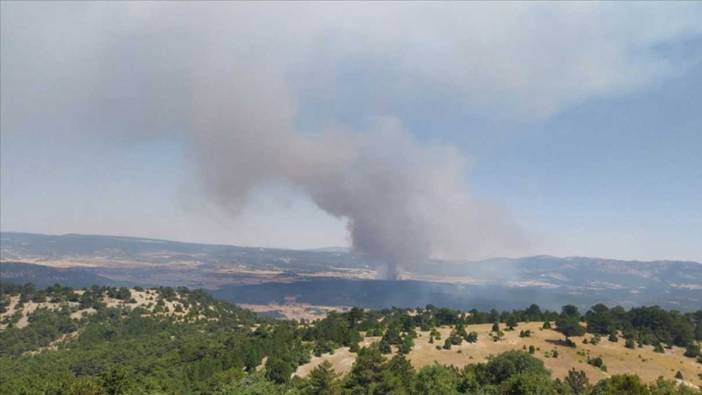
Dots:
pixel 229 78
pixel 404 201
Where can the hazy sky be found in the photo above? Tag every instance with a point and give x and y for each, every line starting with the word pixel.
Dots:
pixel 581 123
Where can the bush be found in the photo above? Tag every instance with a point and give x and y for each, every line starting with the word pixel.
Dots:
pixel 597 362
pixel 502 367
pixel 630 344
pixel 692 351
pixel 447 344
pixel 620 384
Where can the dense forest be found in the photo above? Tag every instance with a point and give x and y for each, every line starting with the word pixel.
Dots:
pixel 107 340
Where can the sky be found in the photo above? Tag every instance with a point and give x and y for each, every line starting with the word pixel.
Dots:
pixel 559 128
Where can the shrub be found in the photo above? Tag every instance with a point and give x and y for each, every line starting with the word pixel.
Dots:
pixel 630 344
pixel 692 350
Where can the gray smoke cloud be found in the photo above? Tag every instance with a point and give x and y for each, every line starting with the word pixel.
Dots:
pixel 404 201
pixel 230 77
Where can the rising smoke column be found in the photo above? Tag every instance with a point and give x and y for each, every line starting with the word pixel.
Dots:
pixel 218 75
pixel 404 202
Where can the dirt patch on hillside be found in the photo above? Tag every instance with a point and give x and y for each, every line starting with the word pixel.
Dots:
pixel 644 362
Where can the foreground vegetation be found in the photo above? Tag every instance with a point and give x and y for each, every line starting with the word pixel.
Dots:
pixel 104 340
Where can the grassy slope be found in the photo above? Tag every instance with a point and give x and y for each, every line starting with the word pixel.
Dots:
pixel 619 359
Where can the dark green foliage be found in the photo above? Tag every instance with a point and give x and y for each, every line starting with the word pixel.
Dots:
pixel 577 382
pixel 120 350
pixel 630 343
pixel 620 385
pixel 406 345
pixel 44 327
pixel 511 322
pixel 437 379
pixel 278 370
pixel 322 380
pixel 384 347
pixel 647 325
pixel 367 370
pixel 500 368
pixel 525 383
pixel 692 351
pixel 569 326
pixel 598 363
pixel 447 344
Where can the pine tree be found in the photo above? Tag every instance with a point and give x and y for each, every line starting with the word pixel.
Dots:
pixel 323 380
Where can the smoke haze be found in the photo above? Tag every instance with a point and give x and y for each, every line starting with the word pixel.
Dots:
pixel 230 80
pixel 403 202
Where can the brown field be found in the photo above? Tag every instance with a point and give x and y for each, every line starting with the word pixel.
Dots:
pixel 618 359
pixel 295 311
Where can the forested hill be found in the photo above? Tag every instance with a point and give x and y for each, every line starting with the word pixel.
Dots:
pixel 106 340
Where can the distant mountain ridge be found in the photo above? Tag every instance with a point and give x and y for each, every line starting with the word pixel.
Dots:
pixel 238 273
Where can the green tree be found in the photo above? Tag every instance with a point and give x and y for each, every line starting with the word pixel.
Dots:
pixel 406 345
pixel 398 376
pixel 437 380
pixel 366 371
pixel 511 322
pixel 626 384
pixel 528 383
pixel 278 370
pixel 692 350
pixel 115 381
pixel 569 326
pixel 577 382
pixel 322 380
pixel 501 367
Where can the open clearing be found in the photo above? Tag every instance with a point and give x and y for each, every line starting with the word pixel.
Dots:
pixel 644 362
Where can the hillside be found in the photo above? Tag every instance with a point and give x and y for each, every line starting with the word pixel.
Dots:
pixel 119 340
pixel 260 276
pixel 44 276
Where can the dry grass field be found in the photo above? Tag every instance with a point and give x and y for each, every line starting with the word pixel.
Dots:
pixel 644 362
